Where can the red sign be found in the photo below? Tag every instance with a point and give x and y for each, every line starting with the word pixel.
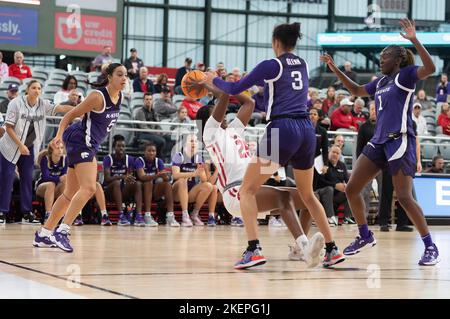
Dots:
pixel 86 33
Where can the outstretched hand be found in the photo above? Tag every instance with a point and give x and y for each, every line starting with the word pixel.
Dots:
pixel 408 29
pixel 326 58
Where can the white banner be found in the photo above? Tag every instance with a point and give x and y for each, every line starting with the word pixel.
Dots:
pixel 99 5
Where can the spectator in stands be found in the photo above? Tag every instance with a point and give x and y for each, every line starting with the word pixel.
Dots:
pixel 343 118
pixel 70 83
pixel 143 83
pixel 191 182
pixel 349 72
pixel 330 100
pixel 161 80
pixel 236 72
pixel 182 118
pixel 339 141
pixel 445 122
pixel 359 112
pixel 52 181
pixel 18 69
pixel 313 96
pixel 423 100
pixel 421 122
pixel 120 182
pixel 75 98
pixel 164 106
pixel 200 66
pixel 443 89
pixel 2 130
pixel 192 106
pixel 221 70
pixel 103 58
pixel 4 70
pixel 156 184
pixel 444 109
pixel 147 114
pixel 321 136
pixel 233 105
pixel 337 104
pixel 207 98
pixel 181 72
pixel 133 64
pixel 11 94
pixel 437 165
pixel 331 187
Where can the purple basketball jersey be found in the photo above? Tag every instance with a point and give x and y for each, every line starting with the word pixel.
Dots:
pixel 394 97
pixel 119 167
pixel 287 94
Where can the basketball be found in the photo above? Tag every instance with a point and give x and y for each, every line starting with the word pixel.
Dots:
pixel 195 75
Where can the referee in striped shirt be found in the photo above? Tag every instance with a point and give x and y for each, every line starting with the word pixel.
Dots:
pixel 24 132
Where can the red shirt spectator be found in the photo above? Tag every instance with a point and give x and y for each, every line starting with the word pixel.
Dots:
pixel 19 69
pixel 443 114
pixel 445 123
pixel 343 118
pixel 192 106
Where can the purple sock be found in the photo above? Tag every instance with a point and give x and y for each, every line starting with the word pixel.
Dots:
pixel 364 231
pixel 427 241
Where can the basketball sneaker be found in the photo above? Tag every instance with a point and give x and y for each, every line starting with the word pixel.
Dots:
pixel 237 222
pixel 123 220
pixel 139 220
pixel 196 220
pixel 78 221
pixel 250 259
pixel 360 244
pixel 171 221
pixel 42 242
pixel 211 221
pixel 296 253
pixel 430 257
pixel 313 252
pixel 30 219
pixel 106 221
pixel 61 240
pixel 274 222
pixel 332 258
pixel 148 220
pixel 2 219
pixel 186 221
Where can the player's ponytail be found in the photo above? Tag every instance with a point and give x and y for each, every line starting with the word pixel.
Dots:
pixel 108 72
pixel 288 34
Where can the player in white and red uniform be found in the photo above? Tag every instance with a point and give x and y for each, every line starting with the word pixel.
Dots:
pixel 230 154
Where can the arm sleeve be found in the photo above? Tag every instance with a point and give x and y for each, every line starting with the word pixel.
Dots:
pixel 210 130
pixel 238 126
pixel 12 114
pixel 49 108
pixel 139 163
pixel 107 162
pixel 266 70
pixel 371 87
pixel 324 147
pixel 177 159
pixel 408 76
pixel 161 166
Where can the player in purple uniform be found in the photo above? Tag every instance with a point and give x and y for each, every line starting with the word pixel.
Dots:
pixel 151 172
pixel 191 182
pixel 290 136
pixel 120 181
pixel 82 140
pixel 51 183
pixel 393 146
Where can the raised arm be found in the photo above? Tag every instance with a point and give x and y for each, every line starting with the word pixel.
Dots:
pixel 246 110
pixel 354 88
pixel 409 33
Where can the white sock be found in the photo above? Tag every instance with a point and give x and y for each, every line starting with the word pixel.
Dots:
pixel 195 212
pixel 45 232
pixel 104 212
pixel 212 214
pixel 302 241
pixel 148 214
pixel 185 213
pixel 63 227
pixel 169 214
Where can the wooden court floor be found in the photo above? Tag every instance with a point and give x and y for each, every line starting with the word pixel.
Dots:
pixel 130 262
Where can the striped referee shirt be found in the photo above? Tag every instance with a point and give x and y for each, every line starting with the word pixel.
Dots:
pixel 20 115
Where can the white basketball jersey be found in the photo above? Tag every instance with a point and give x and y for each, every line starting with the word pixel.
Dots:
pixel 228 150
